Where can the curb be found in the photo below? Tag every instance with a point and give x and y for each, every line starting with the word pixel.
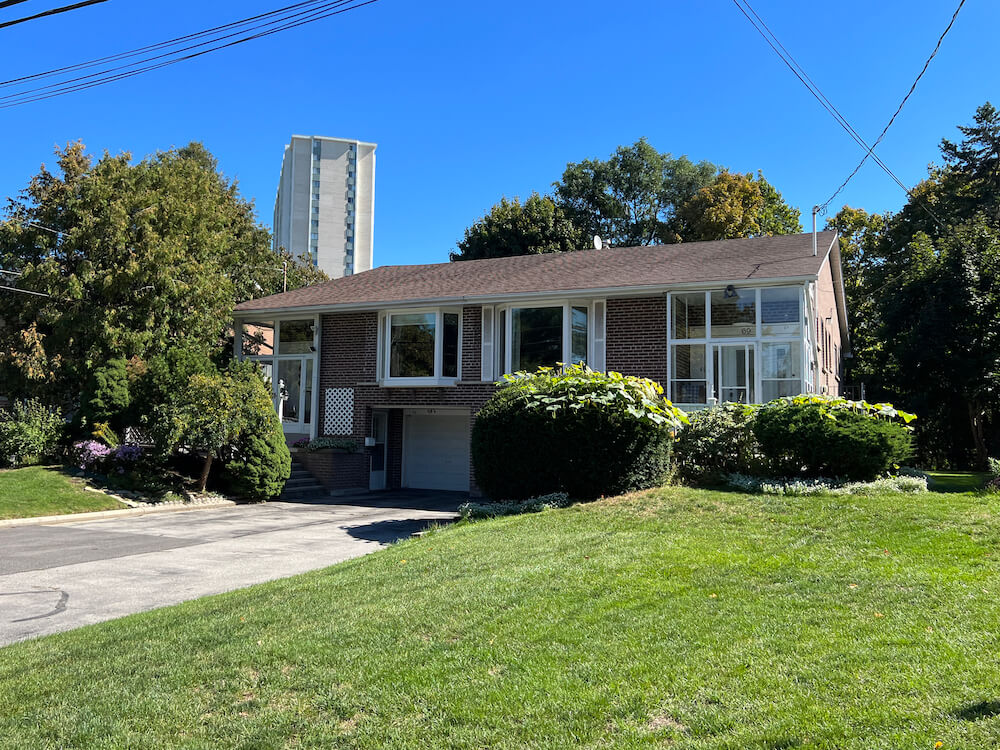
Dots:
pixel 101 515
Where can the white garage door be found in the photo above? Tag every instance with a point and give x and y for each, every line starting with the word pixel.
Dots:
pixel 436 452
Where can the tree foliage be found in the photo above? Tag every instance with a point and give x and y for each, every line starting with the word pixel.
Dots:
pixel 137 257
pixel 512 228
pixel 736 205
pixel 923 287
pixel 638 196
pixel 228 414
pixel 632 197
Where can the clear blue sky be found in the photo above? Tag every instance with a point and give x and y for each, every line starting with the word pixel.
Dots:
pixel 470 101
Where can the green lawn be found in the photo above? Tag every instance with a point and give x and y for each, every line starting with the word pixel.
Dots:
pixel 957 481
pixel 46 491
pixel 680 618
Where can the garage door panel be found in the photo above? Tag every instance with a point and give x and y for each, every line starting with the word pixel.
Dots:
pixel 436 452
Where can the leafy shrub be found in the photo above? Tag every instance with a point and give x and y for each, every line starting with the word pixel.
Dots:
pixel 29 433
pixel 230 415
pixel 345 444
pixel 717 442
pixel 815 436
pixel 573 430
pixel 531 505
pixel 826 486
pixel 993 485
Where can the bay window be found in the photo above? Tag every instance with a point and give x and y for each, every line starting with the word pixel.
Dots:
pixel 420 347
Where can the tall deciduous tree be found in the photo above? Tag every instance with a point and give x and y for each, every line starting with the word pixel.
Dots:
pixel 512 228
pixel 632 197
pixel 736 205
pixel 136 257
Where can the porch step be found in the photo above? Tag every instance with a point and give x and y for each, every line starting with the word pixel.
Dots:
pixel 302 485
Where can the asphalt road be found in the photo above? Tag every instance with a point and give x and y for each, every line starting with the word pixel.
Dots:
pixel 55 578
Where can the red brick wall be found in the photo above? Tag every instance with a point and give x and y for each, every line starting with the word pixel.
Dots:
pixel 348 353
pixel 637 337
pixel 472 343
pixel 335 470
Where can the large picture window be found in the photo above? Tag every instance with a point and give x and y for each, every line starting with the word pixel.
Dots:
pixel 544 336
pixel 422 347
pixel 411 347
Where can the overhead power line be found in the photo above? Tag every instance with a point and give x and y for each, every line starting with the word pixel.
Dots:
pixel 8 3
pixel 209 40
pixel 52 12
pixel 775 44
pixel 898 109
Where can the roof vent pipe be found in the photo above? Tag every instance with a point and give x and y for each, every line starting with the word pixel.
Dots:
pixel 815 249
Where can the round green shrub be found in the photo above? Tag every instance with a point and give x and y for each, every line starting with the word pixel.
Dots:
pixel 719 441
pixel 816 437
pixel 260 465
pixel 573 430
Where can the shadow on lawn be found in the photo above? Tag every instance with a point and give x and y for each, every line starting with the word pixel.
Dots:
pixel 977 711
pixel 387 532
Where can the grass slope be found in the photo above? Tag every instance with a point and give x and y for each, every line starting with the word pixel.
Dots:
pixel 46 491
pixel 677 617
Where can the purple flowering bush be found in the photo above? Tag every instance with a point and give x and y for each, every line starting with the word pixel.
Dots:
pixel 89 454
pixel 301 443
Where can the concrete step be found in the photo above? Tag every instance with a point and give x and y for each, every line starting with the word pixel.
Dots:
pixel 303 493
pixel 306 481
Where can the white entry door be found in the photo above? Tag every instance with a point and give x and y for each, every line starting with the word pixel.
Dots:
pixel 376 476
pixel 436 451
pixel 734 373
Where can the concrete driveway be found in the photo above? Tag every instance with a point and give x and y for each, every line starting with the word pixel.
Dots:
pixel 59 577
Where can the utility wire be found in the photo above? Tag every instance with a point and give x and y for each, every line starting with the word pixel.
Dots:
pixel 151 47
pixel 315 12
pixel 53 12
pixel 66 86
pixel 8 3
pixel 899 109
pixel 813 89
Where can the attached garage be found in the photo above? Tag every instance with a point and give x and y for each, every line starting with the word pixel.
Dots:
pixel 436 449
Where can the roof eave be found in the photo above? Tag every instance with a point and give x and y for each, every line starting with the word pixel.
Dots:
pixel 622 291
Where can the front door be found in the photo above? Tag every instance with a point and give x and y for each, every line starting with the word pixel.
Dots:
pixel 294 393
pixel 376 479
pixel 733 368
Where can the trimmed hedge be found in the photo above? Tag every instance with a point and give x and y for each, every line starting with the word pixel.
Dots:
pixel 573 430
pixel 801 436
pixel 806 440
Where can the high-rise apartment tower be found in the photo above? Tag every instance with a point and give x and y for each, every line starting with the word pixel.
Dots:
pixel 326 203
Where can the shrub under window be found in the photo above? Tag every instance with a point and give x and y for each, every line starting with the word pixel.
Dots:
pixel 574 430
pixel 816 436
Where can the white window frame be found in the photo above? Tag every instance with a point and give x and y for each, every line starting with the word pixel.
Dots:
pixel 503 315
pixel 756 340
pixel 314 417
pixel 385 346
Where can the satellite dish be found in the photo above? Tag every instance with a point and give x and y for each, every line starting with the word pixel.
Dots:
pixel 598 242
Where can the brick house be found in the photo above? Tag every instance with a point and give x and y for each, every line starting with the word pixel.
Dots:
pixel 402 357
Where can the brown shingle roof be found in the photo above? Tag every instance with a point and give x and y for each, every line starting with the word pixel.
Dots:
pixel 758 258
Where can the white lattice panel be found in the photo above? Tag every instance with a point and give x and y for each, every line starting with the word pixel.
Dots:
pixel 338 411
